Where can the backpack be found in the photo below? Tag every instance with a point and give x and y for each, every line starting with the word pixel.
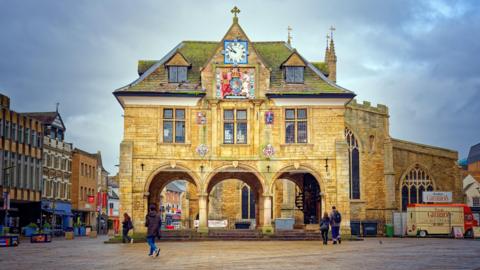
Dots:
pixel 337 217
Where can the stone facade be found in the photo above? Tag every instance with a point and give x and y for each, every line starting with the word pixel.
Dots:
pixel 267 161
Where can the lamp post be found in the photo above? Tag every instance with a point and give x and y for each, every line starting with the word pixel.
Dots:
pixel 6 195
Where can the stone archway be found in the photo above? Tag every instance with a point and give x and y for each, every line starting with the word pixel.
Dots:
pixel 256 184
pixel 308 196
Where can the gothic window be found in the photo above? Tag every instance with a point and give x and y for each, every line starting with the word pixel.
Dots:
pixel 354 164
pixel 174 125
pixel 177 74
pixel 294 74
pixel 248 203
pixel 296 126
pixel 415 182
pixel 235 127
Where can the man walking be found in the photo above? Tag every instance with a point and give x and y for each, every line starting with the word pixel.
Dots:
pixel 153 222
pixel 335 219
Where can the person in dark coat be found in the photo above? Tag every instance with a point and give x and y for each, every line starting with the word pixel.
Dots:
pixel 153 223
pixel 335 220
pixel 127 225
pixel 324 226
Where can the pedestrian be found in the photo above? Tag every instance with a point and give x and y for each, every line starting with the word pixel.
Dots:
pixel 127 225
pixel 153 222
pixel 335 220
pixel 324 226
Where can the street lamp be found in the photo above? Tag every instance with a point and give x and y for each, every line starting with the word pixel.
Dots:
pixel 6 195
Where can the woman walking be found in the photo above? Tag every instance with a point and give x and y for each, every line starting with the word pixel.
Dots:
pixel 324 225
pixel 127 225
pixel 153 222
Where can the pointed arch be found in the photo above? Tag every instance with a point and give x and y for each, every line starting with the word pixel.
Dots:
pixel 414 181
pixel 354 163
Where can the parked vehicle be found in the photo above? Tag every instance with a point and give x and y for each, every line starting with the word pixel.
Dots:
pixel 439 219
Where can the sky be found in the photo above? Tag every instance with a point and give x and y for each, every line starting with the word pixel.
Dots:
pixel 420 58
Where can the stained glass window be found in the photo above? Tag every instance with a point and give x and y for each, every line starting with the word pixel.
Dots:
pixel 414 183
pixel 354 164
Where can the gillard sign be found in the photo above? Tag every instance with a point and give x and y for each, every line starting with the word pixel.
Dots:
pixel 437 196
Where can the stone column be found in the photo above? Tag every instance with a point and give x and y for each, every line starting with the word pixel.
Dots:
pixel 342 202
pixel 203 213
pixel 125 177
pixel 267 227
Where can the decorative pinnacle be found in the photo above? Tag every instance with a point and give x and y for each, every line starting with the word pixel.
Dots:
pixel 331 31
pixel 289 38
pixel 235 11
pixel 328 37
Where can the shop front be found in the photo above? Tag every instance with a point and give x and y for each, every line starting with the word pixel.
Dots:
pixel 57 213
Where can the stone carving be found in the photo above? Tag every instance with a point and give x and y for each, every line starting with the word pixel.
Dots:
pixel 202 150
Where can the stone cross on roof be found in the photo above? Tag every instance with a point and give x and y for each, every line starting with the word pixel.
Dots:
pixel 235 11
pixel 331 31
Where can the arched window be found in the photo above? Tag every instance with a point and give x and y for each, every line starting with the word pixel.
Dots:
pixel 354 164
pixel 414 183
pixel 248 203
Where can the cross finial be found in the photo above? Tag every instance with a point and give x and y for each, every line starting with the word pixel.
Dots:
pixel 289 38
pixel 235 11
pixel 331 31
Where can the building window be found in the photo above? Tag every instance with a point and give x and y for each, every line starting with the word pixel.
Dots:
pixel 14 131
pixel 235 127
pixel 294 74
pixel 177 74
pixel 354 164
pixel 476 201
pixel 34 138
pixel 27 136
pixel 248 203
pixel 174 125
pixel 414 183
pixel 20 134
pixel 7 130
pixel 296 126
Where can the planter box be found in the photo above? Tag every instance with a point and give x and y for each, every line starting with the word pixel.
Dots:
pixel 93 234
pixel 41 238
pixel 29 231
pixel 69 235
pixel 242 226
pixel 9 241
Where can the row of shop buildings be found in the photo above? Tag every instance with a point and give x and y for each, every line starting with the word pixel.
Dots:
pixel 44 179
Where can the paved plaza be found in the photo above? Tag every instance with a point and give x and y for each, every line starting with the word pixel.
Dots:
pixel 373 253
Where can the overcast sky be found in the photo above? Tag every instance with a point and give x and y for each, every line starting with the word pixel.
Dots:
pixel 420 58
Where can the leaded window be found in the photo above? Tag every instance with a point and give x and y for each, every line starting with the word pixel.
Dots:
pixel 177 74
pixel 235 127
pixel 296 126
pixel 294 74
pixel 414 183
pixel 354 164
pixel 174 125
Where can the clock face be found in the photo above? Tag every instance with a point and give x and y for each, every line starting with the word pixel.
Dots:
pixel 236 52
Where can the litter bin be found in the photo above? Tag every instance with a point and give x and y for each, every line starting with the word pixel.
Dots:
pixel 389 230
pixel 369 228
pixel 355 227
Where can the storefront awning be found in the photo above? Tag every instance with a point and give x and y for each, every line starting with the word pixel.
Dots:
pixel 58 212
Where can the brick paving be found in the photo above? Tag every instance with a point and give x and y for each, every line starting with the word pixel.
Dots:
pixel 373 253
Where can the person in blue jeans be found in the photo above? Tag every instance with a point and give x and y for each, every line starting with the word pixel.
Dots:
pixel 335 220
pixel 153 222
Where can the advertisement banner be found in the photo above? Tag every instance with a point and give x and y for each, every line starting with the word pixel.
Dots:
pixel 91 199
pixel 437 196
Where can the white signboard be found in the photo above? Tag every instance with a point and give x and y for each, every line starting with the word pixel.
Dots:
pixel 437 196
pixel 212 223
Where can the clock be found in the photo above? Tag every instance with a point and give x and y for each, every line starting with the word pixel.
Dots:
pixel 235 52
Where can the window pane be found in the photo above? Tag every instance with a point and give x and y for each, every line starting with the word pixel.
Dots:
pixel 179 114
pixel 413 194
pixel 252 204
pixel 355 174
pixel 179 131
pixel 172 74
pixel 241 115
pixel 168 131
pixel 182 74
pixel 298 74
pixel 244 203
pixel 302 114
pixel 290 114
pixel 167 113
pixel 228 114
pixel 302 132
pixel 228 133
pixel 241 132
pixel 289 74
pixel 290 132
pixel 421 189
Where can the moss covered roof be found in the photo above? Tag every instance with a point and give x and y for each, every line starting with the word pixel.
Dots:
pixel 154 76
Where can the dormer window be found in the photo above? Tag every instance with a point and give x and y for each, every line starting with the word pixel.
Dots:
pixel 294 74
pixel 177 74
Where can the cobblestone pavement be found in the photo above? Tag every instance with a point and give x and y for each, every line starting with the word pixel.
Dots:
pixel 373 253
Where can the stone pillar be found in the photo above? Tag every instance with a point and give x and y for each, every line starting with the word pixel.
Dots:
pixel 125 178
pixel 342 201
pixel 267 227
pixel 203 213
